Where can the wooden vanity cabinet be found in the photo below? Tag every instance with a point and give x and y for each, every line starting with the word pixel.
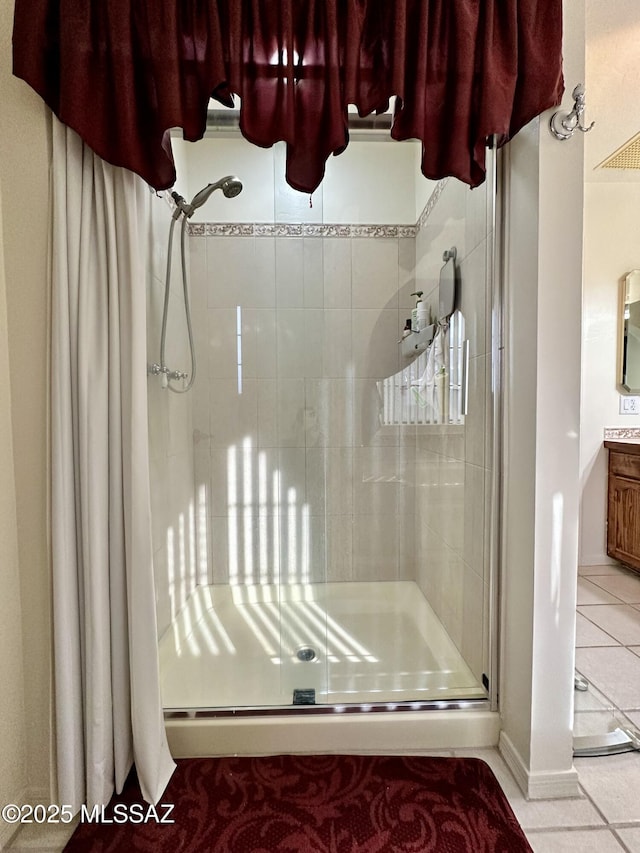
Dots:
pixel 623 512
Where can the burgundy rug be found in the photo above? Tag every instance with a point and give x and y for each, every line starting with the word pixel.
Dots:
pixel 314 804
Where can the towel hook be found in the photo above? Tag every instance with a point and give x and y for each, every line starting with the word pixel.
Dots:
pixel 563 125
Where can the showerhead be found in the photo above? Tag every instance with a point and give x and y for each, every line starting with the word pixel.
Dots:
pixel 230 186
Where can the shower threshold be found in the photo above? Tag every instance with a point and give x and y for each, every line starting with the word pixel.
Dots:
pixel 374 646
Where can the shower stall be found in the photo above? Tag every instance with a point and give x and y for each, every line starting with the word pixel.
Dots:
pixel 323 496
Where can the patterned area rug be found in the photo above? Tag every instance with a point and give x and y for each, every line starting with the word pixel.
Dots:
pixel 313 804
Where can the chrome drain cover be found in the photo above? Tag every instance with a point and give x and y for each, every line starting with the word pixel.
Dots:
pixel 306 653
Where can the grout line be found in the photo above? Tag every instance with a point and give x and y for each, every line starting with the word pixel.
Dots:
pixel 615 595
pixel 618 643
pixel 620 841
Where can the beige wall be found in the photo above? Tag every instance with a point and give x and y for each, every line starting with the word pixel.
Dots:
pixel 13 750
pixel 24 163
pixel 611 247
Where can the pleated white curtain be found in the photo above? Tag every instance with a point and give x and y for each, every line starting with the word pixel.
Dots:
pixel 107 692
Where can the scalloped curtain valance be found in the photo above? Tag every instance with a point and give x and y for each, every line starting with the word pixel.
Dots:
pixel 123 72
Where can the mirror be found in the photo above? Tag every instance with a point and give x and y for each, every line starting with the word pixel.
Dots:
pixel 629 350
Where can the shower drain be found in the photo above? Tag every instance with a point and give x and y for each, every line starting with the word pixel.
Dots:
pixel 305 653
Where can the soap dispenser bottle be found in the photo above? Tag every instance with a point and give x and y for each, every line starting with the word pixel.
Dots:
pixel 419 312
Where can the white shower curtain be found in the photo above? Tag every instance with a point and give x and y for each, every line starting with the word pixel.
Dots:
pixel 107 692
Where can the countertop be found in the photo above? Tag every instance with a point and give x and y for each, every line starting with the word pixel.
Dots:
pixel 624 445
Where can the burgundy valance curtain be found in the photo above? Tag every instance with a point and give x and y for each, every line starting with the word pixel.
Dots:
pixel 122 72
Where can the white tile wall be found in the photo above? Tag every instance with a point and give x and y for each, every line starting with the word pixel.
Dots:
pixel 375 273
pixel 301 479
pixel 170 432
pixel 452 486
pixel 336 264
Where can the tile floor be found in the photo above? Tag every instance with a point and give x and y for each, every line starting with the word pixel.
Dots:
pixel 606 817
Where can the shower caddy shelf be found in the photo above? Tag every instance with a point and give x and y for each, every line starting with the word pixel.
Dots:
pixel 417 342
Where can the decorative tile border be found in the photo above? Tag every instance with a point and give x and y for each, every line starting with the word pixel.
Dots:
pixel 226 229
pixel 301 229
pixel 431 203
pixel 297 229
pixel 617 433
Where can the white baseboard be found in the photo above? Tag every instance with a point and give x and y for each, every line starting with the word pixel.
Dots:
pixel 538 786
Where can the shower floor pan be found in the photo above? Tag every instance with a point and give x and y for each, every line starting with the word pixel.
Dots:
pixel 334 643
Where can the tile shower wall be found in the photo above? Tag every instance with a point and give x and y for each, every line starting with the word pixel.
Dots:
pixel 173 502
pixel 296 477
pixel 300 481
pixel 453 461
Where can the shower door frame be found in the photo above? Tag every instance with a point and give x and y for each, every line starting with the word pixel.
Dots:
pixel 492 529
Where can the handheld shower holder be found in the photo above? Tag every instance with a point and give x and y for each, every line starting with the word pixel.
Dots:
pixel 167 375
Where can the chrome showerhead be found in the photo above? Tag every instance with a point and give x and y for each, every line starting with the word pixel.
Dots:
pixel 230 186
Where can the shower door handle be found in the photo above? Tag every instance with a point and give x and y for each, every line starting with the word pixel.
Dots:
pixel 464 403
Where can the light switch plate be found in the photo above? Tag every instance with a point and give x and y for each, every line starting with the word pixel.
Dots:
pixel 629 405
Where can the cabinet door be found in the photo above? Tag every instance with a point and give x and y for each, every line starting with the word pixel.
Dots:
pixel 623 529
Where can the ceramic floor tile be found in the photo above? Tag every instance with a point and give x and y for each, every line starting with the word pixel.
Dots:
pixel 549 814
pixel 576 841
pixel 591 700
pixel 626 585
pixel 614 671
pixel 595 722
pixel 631 837
pixel 612 783
pixel 634 718
pixel 611 569
pixel 588 634
pixel 590 593
pixel 620 621
pixel 634 649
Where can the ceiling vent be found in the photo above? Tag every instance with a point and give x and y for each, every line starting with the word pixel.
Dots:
pixel 626 157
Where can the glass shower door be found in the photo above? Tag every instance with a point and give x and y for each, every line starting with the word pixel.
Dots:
pixel 336 544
